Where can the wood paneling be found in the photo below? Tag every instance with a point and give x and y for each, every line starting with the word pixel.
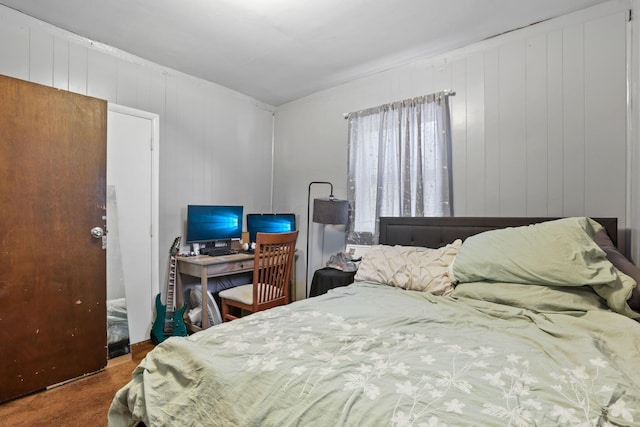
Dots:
pixel 41 58
pixel 536 125
pixel 491 137
pixel 475 131
pixel 60 64
pixel 537 129
pixel 215 144
pixel 605 109
pixel 552 64
pixel 78 74
pixel 459 135
pixel 512 127
pixel 555 126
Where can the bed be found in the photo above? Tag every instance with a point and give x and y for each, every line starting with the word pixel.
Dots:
pixel 451 321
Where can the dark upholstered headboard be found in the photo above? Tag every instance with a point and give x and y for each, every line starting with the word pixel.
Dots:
pixel 435 232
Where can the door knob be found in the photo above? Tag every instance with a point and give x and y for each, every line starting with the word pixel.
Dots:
pixel 97 232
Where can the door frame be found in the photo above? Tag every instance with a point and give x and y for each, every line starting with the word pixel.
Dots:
pixel 145 308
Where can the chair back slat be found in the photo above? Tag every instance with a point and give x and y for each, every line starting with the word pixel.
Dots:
pixel 274 255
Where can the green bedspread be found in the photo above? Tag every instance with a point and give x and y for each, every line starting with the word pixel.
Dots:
pixel 375 355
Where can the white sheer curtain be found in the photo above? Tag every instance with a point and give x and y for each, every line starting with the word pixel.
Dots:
pixel 399 163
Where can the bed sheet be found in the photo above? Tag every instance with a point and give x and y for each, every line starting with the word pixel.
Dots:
pixel 369 354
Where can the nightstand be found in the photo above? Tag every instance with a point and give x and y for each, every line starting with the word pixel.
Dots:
pixel 329 278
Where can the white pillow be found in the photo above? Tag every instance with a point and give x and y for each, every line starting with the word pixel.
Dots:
pixel 410 267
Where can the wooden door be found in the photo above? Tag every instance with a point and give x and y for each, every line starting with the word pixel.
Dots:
pixel 53 276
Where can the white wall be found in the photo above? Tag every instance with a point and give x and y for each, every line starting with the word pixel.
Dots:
pixel 539 122
pixel 215 144
pixel 523 113
pixel 633 135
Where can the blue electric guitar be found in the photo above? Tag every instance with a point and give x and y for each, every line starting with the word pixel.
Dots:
pixel 169 321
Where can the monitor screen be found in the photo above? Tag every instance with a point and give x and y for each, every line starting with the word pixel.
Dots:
pixel 270 223
pixel 214 222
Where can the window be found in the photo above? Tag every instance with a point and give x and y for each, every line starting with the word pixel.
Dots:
pixel 399 163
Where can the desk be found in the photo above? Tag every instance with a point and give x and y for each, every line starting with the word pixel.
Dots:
pixel 204 267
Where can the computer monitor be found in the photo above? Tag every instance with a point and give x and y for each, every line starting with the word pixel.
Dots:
pixel 270 223
pixel 210 223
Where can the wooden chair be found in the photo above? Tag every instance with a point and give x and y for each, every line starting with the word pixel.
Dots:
pixel 272 265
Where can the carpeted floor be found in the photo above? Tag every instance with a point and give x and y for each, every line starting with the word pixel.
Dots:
pixel 83 402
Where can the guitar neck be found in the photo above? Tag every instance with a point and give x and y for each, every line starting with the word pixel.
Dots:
pixel 169 321
pixel 171 285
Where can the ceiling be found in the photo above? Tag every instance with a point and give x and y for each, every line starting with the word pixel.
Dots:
pixel 279 50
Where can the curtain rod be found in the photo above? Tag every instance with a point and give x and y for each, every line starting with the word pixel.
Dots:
pixel 446 92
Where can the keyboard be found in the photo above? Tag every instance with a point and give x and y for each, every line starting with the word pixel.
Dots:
pixel 217 251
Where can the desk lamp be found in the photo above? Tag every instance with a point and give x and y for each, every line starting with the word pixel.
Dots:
pixel 325 211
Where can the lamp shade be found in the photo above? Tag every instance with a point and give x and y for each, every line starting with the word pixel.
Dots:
pixel 330 211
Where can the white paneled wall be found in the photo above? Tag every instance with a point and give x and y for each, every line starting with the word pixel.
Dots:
pixel 215 144
pixel 539 121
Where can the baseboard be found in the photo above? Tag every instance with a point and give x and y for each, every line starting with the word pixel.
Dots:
pixel 140 349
